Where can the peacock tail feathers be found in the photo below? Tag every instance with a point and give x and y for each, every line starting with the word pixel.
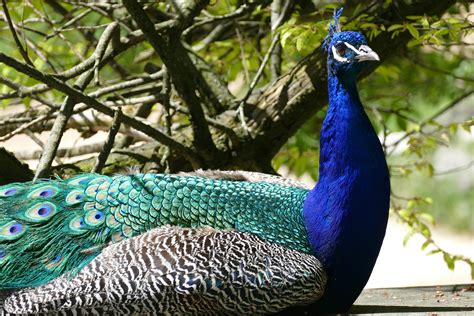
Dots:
pixel 44 231
pixel 50 227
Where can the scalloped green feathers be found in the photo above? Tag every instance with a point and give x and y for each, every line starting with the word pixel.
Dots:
pixel 50 227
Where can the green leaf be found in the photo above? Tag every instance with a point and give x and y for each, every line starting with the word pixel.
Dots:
pixel 407 237
pixel 433 39
pixel 284 38
pixel 414 42
pixel 432 252
pixel 289 35
pixel 389 72
pixel 413 31
pixel 453 128
pixel 27 101
pixel 368 26
pixel 401 122
pixel 430 170
pixel 405 214
pixel 428 217
pixel 466 127
pixel 425 244
pixel 425 231
pixel 394 27
pixel 424 22
pixel 453 21
pixel 304 42
pixel 449 260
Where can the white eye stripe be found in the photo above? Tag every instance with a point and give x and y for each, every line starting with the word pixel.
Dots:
pixel 363 53
pixel 352 48
pixel 337 56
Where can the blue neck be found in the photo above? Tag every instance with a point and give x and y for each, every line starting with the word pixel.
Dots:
pixel 346 213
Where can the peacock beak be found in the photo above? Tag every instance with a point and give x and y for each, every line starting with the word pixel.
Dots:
pixel 366 53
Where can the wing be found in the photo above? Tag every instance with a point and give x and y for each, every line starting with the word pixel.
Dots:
pixel 183 271
pixel 50 227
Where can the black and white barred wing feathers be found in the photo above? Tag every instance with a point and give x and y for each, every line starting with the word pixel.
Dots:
pixel 175 270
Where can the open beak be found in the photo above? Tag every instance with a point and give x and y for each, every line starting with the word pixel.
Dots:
pixel 366 53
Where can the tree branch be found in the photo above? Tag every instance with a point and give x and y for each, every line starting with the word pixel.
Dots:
pixel 66 110
pixel 57 131
pixel 184 75
pixel 55 83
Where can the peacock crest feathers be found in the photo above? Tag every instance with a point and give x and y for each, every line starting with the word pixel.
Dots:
pixel 333 27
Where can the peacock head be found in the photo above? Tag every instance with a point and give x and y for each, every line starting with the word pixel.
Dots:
pixel 348 53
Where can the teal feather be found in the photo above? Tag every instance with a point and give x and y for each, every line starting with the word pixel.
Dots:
pixel 62 225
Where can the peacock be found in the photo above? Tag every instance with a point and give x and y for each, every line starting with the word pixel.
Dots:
pixel 208 242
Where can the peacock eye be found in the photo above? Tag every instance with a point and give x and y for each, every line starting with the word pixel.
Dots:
pixel 341 49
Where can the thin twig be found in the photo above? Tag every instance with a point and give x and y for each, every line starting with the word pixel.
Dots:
pixel 18 92
pixel 166 104
pixel 242 53
pixel 132 101
pixel 244 9
pixel 69 152
pixel 212 36
pixel 166 99
pixel 61 36
pixel 431 118
pixel 110 34
pixel 67 24
pixel 439 70
pixel 275 64
pixel 279 15
pixel 127 84
pixel 454 170
pixel 282 16
pixel 38 51
pixel 25 126
pixel 109 143
pixel 254 82
pixel 22 50
pixel 126 42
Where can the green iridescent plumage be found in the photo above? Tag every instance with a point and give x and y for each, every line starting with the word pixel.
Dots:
pixel 63 225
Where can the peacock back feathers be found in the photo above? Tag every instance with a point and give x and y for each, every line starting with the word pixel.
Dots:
pixel 50 227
